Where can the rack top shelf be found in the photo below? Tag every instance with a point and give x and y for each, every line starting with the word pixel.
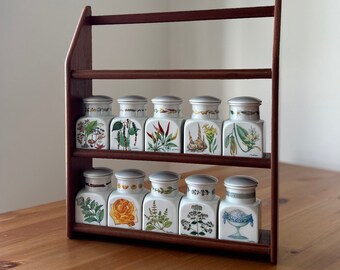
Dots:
pixel 181 16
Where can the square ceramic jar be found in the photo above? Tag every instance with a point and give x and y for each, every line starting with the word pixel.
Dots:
pixel 239 216
pixel 243 131
pixel 127 130
pixel 92 130
pixel 125 203
pixel 163 131
pixel 160 207
pixel 91 201
pixel 198 209
pixel 203 132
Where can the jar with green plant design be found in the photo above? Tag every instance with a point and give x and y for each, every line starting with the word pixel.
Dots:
pixel 163 131
pixel 160 207
pixel 198 209
pixel 127 130
pixel 92 130
pixel 91 201
pixel 243 131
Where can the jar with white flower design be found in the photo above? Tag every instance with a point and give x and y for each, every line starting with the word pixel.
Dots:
pixel 125 203
pixel 163 131
pixel 198 209
pixel 91 201
pixel 239 216
pixel 243 131
pixel 92 130
pixel 127 130
pixel 160 207
pixel 202 133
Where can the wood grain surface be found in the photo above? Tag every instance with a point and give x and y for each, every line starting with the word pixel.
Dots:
pixel 309 232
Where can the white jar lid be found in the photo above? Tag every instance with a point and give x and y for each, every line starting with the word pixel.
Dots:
pixel 130 174
pixel 244 101
pixel 164 176
pixel 201 180
pixel 97 172
pixel 205 100
pixel 98 99
pixel 166 100
pixel 132 99
pixel 240 181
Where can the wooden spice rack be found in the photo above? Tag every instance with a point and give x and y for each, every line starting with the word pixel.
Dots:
pixel 78 78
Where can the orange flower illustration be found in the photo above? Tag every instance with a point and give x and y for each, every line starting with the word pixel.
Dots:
pixel 123 212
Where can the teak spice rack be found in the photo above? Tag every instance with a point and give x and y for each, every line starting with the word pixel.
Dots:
pixel 79 75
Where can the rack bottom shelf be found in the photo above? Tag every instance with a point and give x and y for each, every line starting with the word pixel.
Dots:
pixel 262 248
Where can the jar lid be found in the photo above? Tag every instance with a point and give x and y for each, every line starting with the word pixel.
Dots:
pixel 205 100
pixel 240 181
pixel 164 176
pixel 245 100
pixel 166 100
pixel 97 172
pixel 201 179
pixel 132 99
pixel 130 174
pixel 98 99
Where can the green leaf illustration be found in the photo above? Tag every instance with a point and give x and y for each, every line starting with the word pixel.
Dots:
pixel 133 131
pixel 243 133
pixel 226 141
pixel 90 127
pixel 157 219
pixel 91 210
pixel 150 227
pixel 117 125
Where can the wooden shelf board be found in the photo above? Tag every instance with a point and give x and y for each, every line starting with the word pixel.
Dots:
pixel 177 158
pixel 263 247
pixel 203 74
pixel 181 16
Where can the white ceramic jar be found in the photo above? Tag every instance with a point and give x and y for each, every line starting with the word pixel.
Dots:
pixel 163 131
pixel 243 131
pixel 125 203
pixel 160 207
pixel 198 209
pixel 127 130
pixel 92 130
pixel 91 201
pixel 239 214
pixel 202 133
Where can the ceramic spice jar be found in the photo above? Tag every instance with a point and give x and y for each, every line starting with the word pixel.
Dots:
pixel 127 130
pixel 125 203
pixel 92 130
pixel 91 201
pixel 160 207
pixel 198 209
pixel 163 131
pixel 239 214
pixel 243 132
pixel 202 133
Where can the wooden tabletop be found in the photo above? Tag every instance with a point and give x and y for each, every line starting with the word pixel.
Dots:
pixel 35 238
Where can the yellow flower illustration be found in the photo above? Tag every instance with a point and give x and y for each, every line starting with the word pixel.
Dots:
pixel 123 212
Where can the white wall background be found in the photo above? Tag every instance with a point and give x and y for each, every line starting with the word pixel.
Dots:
pixel 34 39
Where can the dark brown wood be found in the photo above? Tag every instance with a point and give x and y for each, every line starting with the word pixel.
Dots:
pixel 79 76
pixel 206 74
pixel 79 56
pixel 180 16
pixel 176 158
pixel 263 247
pixel 275 134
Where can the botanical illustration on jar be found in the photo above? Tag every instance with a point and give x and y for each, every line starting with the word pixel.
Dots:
pixel 197 223
pixel 238 219
pixel 91 134
pixel 126 133
pixel 123 212
pixel 157 220
pixel 166 191
pixel 91 210
pixel 162 138
pixel 242 139
pixel 207 141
